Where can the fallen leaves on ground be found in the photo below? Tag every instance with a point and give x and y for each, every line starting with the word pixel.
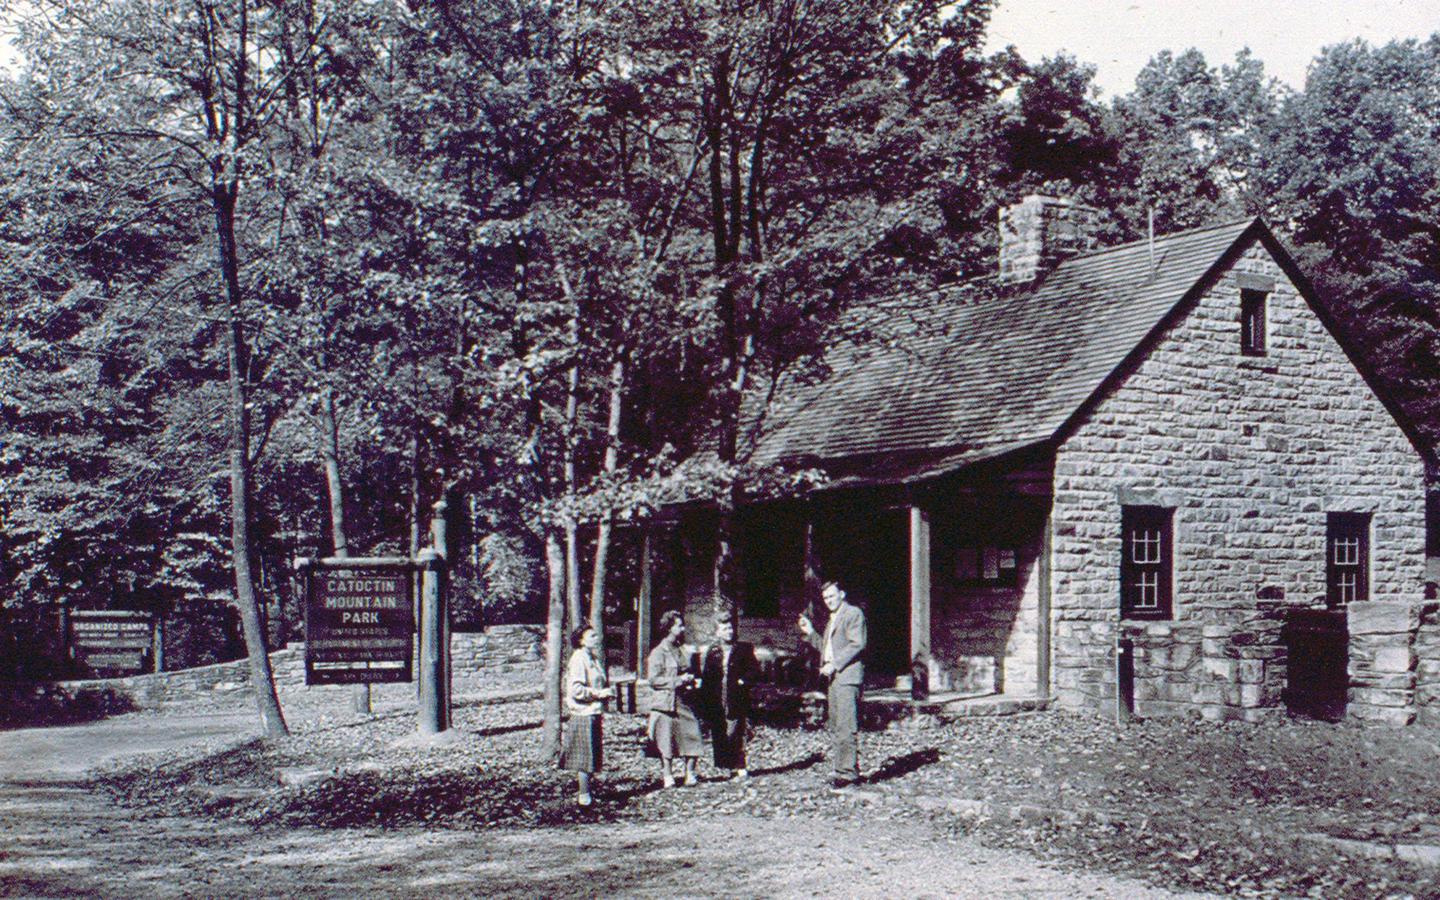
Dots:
pixel 1221 807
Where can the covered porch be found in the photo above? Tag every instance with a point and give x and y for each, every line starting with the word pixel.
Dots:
pixel 952 573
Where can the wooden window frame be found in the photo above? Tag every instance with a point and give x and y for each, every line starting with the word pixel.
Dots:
pixel 1147 562
pixel 1254 314
pixel 1347 558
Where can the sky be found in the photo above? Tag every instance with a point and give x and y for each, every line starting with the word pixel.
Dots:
pixel 1119 36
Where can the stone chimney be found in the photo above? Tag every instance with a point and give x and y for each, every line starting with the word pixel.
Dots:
pixel 1039 231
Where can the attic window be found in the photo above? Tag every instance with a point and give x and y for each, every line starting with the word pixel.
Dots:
pixel 1252 322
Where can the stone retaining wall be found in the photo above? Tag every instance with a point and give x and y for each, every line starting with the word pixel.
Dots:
pixel 1382 661
pixel 1427 668
pixel 503 649
pixel 1227 665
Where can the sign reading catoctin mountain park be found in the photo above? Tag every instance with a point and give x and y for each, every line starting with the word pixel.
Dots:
pixel 111 639
pixel 358 626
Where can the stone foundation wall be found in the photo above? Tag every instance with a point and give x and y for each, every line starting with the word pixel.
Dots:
pixel 1230 665
pixel 498 649
pixel 1382 661
pixel 1251 453
pixel 1427 665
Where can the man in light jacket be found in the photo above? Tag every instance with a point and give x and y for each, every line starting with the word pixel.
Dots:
pixel 840 649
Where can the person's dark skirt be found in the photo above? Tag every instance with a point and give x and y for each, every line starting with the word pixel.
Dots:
pixel 582 750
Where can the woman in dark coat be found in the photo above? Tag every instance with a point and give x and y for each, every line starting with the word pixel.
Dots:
pixel 586 690
pixel 674 729
pixel 724 700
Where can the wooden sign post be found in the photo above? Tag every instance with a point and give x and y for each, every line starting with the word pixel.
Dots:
pixel 360 623
pixel 434 631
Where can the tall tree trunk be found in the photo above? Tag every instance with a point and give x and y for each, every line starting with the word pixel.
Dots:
pixel 572 543
pixel 554 647
pixel 612 459
pixel 726 229
pixel 360 698
pixel 573 609
pixel 262 677
pixel 727 550
pixel 330 455
pixel 415 579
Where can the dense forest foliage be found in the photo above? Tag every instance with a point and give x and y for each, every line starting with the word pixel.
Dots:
pixel 279 274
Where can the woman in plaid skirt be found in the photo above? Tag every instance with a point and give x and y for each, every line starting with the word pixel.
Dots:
pixel 586 691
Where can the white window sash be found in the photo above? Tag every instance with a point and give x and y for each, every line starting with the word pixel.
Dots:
pixel 1145 546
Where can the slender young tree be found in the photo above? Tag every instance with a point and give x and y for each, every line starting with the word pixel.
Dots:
pixel 200 84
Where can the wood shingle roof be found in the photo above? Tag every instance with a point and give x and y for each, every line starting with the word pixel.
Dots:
pixel 982 377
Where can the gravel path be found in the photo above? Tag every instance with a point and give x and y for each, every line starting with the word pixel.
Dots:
pixel 64 839
pixel 66 842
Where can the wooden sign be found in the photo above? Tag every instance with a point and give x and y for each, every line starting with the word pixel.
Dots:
pixel 111 639
pixel 359 625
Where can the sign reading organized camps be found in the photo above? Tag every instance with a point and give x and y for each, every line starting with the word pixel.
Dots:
pixel 111 639
pixel 358 626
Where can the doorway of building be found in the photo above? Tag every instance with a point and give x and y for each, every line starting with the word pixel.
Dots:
pixel 867 549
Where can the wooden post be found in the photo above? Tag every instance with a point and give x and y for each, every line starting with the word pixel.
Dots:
pixel 643 606
pixel 360 700
pixel 1124 679
pixel 438 534
pixel 812 570
pixel 65 645
pixel 157 656
pixel 919 588
pixel 432 671
pixel 1042 625
pixel 434 632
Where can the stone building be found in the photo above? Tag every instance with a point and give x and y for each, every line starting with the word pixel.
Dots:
pixel 1153 474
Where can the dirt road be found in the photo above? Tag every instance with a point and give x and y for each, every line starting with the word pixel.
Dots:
pixel 61 840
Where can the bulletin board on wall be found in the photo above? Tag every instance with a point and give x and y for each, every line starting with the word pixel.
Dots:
pixel 987 565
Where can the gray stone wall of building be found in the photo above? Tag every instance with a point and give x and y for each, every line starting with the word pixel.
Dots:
pixel 985 638
pixel 1251 453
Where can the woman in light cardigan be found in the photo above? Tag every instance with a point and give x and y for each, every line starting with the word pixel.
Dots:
pixel 674 730
pixel 586 691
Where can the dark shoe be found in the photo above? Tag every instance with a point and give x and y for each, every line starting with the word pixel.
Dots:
pixel 839 784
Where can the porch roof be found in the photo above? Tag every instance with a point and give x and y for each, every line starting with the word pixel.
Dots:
pixel 986 372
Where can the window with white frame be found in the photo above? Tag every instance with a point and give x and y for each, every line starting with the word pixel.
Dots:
pixel 1146 564
pixel 1347 558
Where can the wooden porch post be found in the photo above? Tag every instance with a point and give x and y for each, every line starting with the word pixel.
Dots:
pixel 812 569
pixel 642 606
pixel 1042 625
pixel 919 585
